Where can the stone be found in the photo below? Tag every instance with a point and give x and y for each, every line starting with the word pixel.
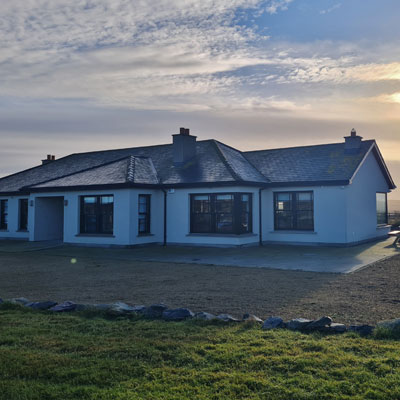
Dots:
pixel 273 323
pixel 227 318
pixel 298 324
pixel 177 314
pixel 102 307
pixel 154 311
pixel 362 330
pixel 41 305
pixel 205 316
pixel 393 324
pixel 120 307
pixel 1 300
pixel 20 300
pixel 251 318
pixel 83 307
pixel 139 309
pixel 319 324
pixel 64 307
pixel 336 328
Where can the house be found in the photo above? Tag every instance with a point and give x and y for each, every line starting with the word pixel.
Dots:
pixel 202 193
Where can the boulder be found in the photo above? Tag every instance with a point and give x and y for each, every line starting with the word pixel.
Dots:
pixel 177 314
pixel 41 305
pixel 273 323
pixel 251 318
pixel 227 318
pixel 319 324
pixel 122 308
pixel 298 324
pixel 102 307
pixel 204 316
pixel 362 330
pixel 138 309
pixel 336 328
pixel 154 311
pixel 20 300
pixel 393 324
pixel 64 307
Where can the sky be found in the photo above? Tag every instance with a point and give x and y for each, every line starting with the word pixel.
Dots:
pixel 84 75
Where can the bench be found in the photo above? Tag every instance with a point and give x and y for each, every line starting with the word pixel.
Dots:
pixel 396 234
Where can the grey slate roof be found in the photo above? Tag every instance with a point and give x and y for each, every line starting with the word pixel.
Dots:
pixel 327 162
pixel 214 163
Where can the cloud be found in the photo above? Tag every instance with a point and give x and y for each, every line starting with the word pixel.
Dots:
pixel 329 10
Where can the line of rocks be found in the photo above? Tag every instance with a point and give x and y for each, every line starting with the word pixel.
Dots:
pixel 161 311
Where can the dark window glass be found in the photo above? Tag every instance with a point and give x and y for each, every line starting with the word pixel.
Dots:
pixel 144 214
pixel 97 214
pixel 23 215
pixel 294 211
pixel 381 208
pixel 3 214
pixel 221 213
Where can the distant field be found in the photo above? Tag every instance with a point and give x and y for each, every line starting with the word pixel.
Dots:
pixel 83 356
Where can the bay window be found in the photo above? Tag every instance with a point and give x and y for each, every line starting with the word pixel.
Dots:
pixel 229 213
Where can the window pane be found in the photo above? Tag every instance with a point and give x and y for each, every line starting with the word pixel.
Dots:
pixel 201 223
pixel 201 204
pixel 90 224
pixel 305 220
pixel 107 199
pixel 304 201
pixel 244 222
pixel 284 220
pixel 224 203
pixel 245 202
pixel 3 214
pixel 224 223
pixel 23 214
pixel 381 209
pixel 89 200
pixel 283 201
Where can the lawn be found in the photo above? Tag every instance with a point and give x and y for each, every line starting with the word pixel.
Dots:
pixel 92 356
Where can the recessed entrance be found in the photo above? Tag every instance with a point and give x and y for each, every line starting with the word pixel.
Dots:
pixel 49 218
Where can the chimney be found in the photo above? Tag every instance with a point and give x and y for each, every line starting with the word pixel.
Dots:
pixel 184 147
pixel 352 143
pixel 50 158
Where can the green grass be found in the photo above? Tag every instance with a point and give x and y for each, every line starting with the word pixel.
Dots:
pixel 86 356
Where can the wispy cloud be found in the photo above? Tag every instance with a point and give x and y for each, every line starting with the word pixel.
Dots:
pixel 329 10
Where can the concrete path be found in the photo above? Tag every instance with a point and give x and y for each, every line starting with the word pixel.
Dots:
pixel 306 258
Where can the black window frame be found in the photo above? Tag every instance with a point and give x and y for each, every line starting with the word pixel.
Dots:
pixel 294 210
pixel 99 214
pixel 386 219
pixel 3 214
pixel 23 213
pixel 146 214
pixel 214 214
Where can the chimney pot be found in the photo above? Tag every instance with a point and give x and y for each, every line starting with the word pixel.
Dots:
pixel 353 132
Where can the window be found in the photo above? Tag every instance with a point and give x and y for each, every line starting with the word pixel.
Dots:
pixel 294 211
pixel 144 214
pixel 381 209
pixel 23 215
pixel 97 214
pixel 4 214
pixel 221 213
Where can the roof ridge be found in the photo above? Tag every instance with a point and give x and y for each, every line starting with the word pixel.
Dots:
pixel 235 176
pixel 302 147
pixel 131 169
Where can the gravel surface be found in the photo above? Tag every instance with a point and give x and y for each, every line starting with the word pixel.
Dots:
pixel 366 296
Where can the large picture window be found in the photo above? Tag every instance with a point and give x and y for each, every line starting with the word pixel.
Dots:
pixel 23 215
pixel 221 213
pixel 294 211
pixel 144 214
pixel 381 209
pixel 4 214
pixel 97 214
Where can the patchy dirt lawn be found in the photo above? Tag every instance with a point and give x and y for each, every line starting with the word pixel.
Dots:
pixel 366 296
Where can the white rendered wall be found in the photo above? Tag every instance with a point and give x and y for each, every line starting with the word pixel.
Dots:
pixel 329 217
pixel 178 219
pixel 12 231
pixel 361 202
